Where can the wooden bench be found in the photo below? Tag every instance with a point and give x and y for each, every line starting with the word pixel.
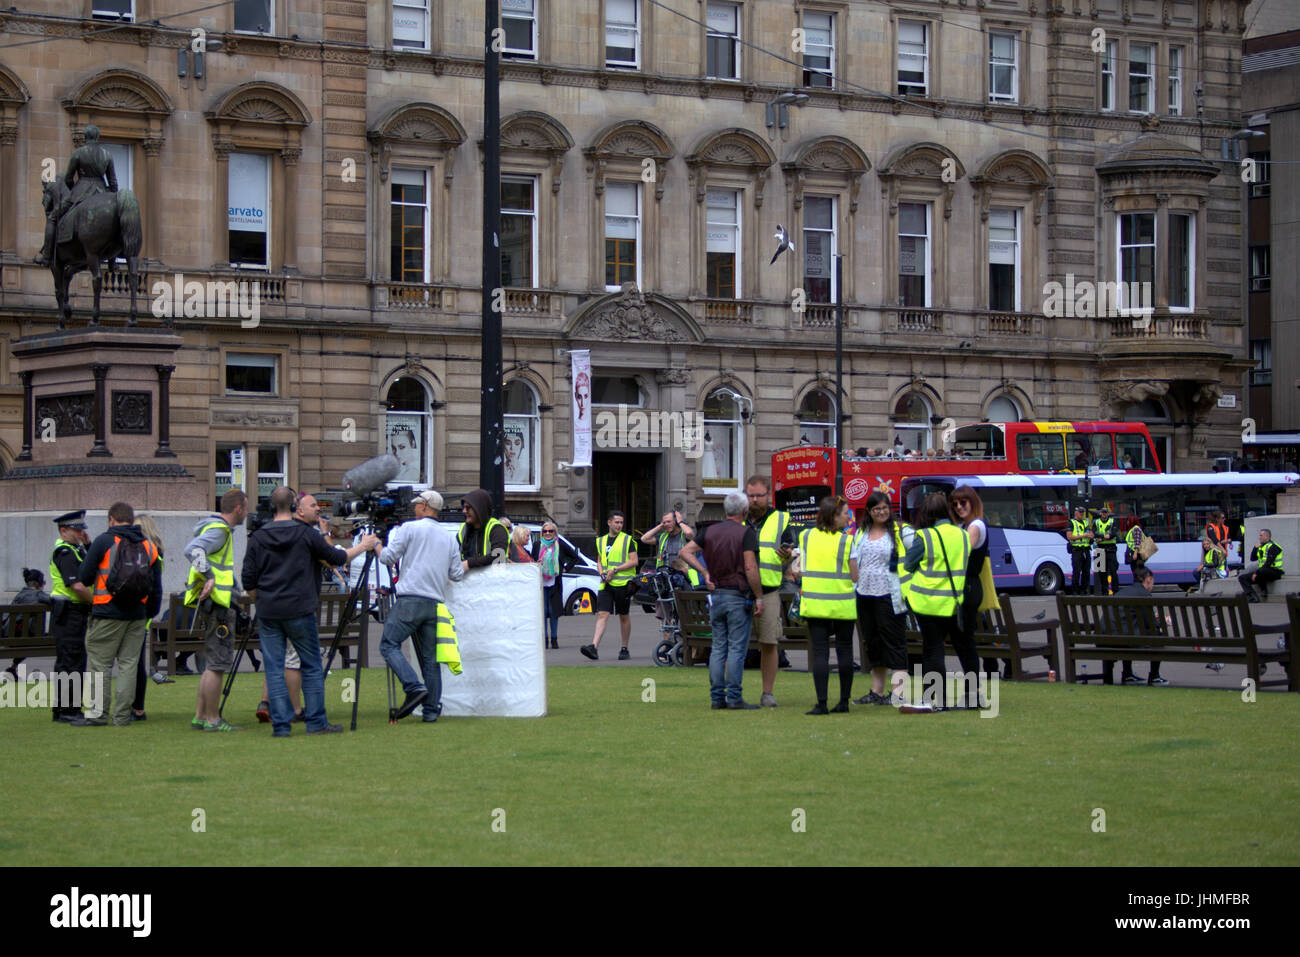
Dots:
pixel 1192 628
pixel 697 632
pixel 24 632
pixel 999 635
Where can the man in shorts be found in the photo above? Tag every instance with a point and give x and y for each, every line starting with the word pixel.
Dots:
pixel 617 555
pixel 212 588
pixel 775 549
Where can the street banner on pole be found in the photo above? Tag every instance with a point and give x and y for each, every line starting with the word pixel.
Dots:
pixel 581 365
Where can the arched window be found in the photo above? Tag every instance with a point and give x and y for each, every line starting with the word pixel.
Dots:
pixel 408 430
pixel 1003 409
pixel 723 458
pixel 912 431
pixel 522 437
pixel 817 419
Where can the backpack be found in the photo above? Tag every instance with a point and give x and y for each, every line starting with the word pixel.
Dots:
pixel 130 573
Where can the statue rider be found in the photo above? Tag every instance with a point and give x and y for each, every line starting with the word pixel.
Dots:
pixel 90 171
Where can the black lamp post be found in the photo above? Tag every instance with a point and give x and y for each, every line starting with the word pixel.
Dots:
pixel 839 374
pixel 491 463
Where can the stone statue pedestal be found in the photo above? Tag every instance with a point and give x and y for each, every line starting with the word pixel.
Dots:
pixel 97 423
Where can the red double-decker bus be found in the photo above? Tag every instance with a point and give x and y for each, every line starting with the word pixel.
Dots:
pixel 803 474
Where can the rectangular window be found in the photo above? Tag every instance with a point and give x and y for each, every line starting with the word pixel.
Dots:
pixel 113 10
pixel 722 40
pixel 1133 452
pixel 615 390
pixel 819 248
pixel 123 169
pixel 819 49
pixel 223 472
pixel 271 472
pixel 1261 269
pixel 1040 453
pixel 409 260
pixel 1182 261
pixel 1175 81
pixel 519 21
pixel 1262 185
pixel 1004 70
pixel 913 58
pixel 1141 77
pixel 254 16
pixel 411 24
pixel 622 234
pixel 1108 76
pixel 249 215
pixel 1261 351
pixel 250 372
pixel 1004 259
pixel 518 232
pixel 914 254
pixel 723 244
pixel 622 35
pixel 1137 254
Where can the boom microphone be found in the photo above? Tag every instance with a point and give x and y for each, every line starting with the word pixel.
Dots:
pixel 371 474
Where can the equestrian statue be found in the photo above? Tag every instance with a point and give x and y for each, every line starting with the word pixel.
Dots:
pixel 89 221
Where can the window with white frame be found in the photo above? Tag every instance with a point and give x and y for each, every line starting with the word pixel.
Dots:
pixel 1108 57
pixel 409 230
pixel 912 428
pixel 1004 260
pixel 254 16
pixel 1261 352
pixel 1262 185
pixel 1182 262
pixel 1004 67
pixel 819 49
pixel 913 58
pixel 113 10
pixel 251 372
pixel 123 169
pixel 817 418
pixel 519 21
pixel 223 471
pixel 723 461
pixel 622 235
pixel 1175 81
pixel 1003 409
pixel 722 41
pixel 519 231
pixel 249 213
pixel 819 248
pixel 272 469
pixel 522 439
pixel 1141 77
pixel 622 35
pixel 914 254
pixel 1137 256
pixel 1261 269
pixel 411 24
pixel 408 431
pixel 723 243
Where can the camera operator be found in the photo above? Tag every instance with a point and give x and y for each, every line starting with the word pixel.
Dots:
pixel 430 557
pixel 280 568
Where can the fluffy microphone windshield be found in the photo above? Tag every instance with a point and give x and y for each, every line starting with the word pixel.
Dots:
pixel 371 474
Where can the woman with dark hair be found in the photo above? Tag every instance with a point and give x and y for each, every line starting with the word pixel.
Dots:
pixel 938 559
pixel 879 550
pixel 969 511
pixel 827 600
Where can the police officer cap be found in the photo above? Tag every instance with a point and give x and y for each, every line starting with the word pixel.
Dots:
pixel 75 519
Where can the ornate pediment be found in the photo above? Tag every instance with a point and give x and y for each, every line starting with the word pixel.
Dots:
pixel 419 123
pixel 531 131
pixel 261 102
pixel 632 315
pixel 634 138
pixel 923 161
pixel 833 154
pixel 734 147
pixel 119 90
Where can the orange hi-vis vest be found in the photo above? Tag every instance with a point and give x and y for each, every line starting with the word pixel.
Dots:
pixel 102 596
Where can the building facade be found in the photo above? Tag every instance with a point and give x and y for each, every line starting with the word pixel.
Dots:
pixel 977 166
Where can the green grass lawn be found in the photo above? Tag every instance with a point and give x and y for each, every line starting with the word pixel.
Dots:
pixel 1184 776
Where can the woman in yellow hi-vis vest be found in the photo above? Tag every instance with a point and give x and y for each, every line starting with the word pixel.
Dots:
pixel 937 560
pixel 827 600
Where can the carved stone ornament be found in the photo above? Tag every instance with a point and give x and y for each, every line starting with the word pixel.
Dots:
pixel 253 419
pixel 73 413
pixel 631 317
pixel 673 376
pixel 1116 396
pixel 132 413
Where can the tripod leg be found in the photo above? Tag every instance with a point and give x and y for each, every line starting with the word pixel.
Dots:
pixel 230 677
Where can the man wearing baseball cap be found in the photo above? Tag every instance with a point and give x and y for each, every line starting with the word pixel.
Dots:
pixel 430 558
pixel 71 609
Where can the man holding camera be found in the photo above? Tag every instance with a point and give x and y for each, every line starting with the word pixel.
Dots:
pixel 430 557
pixel 281 574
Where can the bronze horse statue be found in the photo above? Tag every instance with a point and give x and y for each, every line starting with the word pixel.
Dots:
pixel 104 227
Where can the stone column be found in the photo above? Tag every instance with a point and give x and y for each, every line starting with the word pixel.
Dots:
pixel 9 188
pixel 290 218
pixel 153 196
pixel 26 454
pixel 164 450
pixel 221 204
pixel 100 448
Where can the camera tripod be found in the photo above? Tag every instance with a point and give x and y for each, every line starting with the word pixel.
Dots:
pixel 360 591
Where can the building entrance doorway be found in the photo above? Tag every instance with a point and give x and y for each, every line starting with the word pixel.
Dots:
pixel 626 481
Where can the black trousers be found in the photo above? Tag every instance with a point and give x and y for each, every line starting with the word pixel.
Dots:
pixel 935 630
pixel 819 638
pixel 68 628
pixel 1250 581
pixel 1081 570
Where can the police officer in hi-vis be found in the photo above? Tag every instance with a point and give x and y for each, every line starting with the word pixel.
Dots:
pixel 1104 530
pixel 71 608
pixel 1080 536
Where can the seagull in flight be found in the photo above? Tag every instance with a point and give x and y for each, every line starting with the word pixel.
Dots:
pixel 783 241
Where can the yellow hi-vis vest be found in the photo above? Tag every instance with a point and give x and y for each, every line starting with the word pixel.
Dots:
pixel 930 591
pixel 222 563
pixel 1133 538
pixel 904 576
pixel 770 569
pixel 828 589
pixel 1104 527
pixel 691 574
pixel 448 648
pixel 1078 528
pixel 490 524
pixel 57 588
pixel 616 553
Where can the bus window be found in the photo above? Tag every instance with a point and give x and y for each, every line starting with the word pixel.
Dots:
pixel 1088 449
pixel 1045 452
pixel 981 441
pixel 1002 507
pixel 1133 453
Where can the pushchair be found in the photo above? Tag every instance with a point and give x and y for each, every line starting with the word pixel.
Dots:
pixel 658 585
